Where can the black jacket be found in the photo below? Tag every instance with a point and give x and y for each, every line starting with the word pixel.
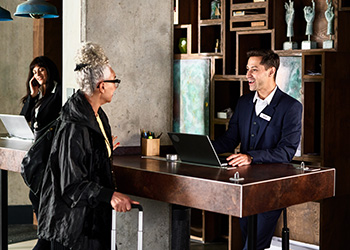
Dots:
pixel 48 111
pixel 78 185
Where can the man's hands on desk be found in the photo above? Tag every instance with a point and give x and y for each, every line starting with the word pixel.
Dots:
pixel 239 160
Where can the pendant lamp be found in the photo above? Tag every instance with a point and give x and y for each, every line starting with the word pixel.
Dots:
pixel 36 9
pixel 5 15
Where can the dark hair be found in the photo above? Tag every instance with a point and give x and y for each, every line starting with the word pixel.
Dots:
pixel 52 74
pixel 269 58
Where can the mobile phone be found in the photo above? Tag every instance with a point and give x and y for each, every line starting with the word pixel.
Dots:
pixel 35 82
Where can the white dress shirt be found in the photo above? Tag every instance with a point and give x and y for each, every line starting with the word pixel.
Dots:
pixel 260 104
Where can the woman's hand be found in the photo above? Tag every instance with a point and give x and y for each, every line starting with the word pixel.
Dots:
pixel 121 203
pixel 115 144
pixel 34 87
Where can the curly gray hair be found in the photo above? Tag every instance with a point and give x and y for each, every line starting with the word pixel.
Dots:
pixel 92 66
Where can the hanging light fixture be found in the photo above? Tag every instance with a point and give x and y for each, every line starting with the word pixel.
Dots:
pixel 36 9
pixel 5 15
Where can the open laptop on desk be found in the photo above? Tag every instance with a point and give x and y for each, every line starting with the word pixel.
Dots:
pixel 17 127
pixel 197 149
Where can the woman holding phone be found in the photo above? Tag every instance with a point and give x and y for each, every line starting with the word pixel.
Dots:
pixel 41 105
pixel 43 100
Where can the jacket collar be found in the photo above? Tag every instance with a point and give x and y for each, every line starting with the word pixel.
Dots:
pixel 78 110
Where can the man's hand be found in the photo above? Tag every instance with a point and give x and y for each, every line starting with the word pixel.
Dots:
pixel 239 160
pixel 121 203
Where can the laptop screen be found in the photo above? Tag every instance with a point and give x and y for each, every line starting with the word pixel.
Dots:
pixel 17 126
pixel 194 148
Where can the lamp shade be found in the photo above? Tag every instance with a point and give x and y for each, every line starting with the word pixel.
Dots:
pixel 5 15
pixel 36 9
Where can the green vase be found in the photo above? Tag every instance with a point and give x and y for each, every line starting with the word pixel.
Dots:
pixel 183 45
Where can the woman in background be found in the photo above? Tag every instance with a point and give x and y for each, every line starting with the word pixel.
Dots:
pixel 43 100
pixel 41 105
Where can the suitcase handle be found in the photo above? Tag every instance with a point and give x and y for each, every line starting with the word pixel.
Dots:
pixel 138 206
pixel 139 230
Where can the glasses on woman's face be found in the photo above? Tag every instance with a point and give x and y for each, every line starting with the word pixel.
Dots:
pixel 115 81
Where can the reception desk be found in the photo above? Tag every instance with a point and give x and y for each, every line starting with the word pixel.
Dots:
pixel 11 155
pixel 265 187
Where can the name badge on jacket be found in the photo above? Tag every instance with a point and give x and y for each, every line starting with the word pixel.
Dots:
pixel 265 117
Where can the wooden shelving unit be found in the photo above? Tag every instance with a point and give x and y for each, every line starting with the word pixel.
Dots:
pixel 249 15
pixel 324 90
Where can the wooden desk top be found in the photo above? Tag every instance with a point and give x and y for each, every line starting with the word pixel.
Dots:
pixel 12 153
pixel 265 187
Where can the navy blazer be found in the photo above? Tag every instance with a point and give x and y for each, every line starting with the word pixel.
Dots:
pixel 277 139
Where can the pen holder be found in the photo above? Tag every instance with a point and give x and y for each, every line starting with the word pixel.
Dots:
pixel 150 147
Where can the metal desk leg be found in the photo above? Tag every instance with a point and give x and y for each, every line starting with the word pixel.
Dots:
pixel 3 211
pixel 285 231
pixel 252 231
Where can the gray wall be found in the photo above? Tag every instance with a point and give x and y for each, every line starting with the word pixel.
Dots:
pixel 137 37
pixel 16 50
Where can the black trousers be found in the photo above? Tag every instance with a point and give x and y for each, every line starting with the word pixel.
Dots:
pixel 266 225
pixel 41 244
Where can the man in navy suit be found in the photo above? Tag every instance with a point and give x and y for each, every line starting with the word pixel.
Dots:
pixel 267 123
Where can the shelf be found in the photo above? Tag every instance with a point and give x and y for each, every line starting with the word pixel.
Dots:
pixel 220 121
pixel 313 65
pixel 205 9
pixel 312 118
pixel 246 40
pixel 208 39
pixel 183 31
pixel 344 5
pixel 210 22
pixel 314 159
pixel 299 26
pixel 249 16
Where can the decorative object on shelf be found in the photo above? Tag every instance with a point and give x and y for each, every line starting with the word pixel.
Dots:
pixel 215 9
pixel 225 114
pixel 217 46
pixel 257 24
pixel 290 20
pixel 309 14
pixel 329 14
pixel 183 45
pixel 36 9
pixel 5 15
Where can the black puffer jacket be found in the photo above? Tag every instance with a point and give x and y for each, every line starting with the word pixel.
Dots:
pixel 77 185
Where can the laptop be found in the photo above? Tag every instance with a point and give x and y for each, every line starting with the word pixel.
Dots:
pixel 196 149
pixel 17 127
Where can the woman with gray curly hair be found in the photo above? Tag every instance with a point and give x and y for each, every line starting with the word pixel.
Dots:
pixel 78 189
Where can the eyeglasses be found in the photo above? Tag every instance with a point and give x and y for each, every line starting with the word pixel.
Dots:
pixel 115 81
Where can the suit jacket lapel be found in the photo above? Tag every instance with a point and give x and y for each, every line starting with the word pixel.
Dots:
pixel 269 111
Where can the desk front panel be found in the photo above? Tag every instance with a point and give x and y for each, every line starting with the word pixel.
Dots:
pixel 265 187
pixel 12 153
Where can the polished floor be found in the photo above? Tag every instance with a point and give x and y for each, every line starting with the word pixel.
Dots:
pixel 276 245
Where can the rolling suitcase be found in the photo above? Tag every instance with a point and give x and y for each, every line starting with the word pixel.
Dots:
pixel 139 231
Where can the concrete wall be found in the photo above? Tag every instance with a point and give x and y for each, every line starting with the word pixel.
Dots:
pixel 137 37
pixel 16 50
